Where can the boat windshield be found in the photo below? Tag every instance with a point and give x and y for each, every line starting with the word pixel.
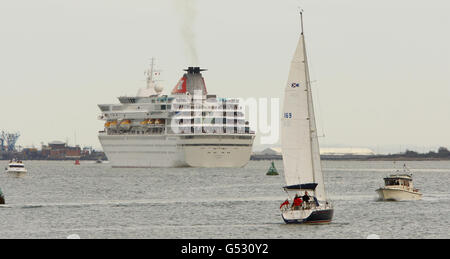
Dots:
pixel 390 182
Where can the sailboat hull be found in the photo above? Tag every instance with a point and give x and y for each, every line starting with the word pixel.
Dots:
pixel 315 217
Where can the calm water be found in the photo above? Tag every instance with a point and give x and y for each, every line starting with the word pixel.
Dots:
pixel 57 199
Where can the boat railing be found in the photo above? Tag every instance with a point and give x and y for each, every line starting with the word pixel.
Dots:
pixel 305 206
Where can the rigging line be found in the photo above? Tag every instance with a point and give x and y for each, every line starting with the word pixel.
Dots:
pixel 311 70
pixel 316 88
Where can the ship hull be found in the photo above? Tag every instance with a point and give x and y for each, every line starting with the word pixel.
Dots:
pixel 146 151
pixel 16 171
pixel 318 216
pixel 387 194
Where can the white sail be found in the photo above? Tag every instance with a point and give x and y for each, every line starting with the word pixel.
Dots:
pixel 301 156
pixel 295 133
pixel 315 149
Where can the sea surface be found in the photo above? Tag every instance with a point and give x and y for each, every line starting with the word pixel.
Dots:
pixel 60 199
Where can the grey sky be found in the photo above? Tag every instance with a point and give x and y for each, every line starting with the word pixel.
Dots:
pixel 381 67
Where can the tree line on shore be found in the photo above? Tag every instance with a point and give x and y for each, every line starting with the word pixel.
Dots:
pixel 442 153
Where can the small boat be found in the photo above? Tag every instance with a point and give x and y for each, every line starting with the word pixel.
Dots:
pixel 77 162
pixel 300 148
pixel 16 167
pixel 399 187
pixel 112 124
pixel 272 170
pixel 2 197
pixel 99 161
pixel 145 122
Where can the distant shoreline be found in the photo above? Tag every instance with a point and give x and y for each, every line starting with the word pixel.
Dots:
pixel 67 160
pixel 443 154
pixel 357 158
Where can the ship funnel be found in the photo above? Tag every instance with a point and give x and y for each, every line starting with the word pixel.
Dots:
pixel 191 82
pixel 194 70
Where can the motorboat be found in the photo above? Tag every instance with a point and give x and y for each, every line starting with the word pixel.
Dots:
pixel 16 167
pixel 399 187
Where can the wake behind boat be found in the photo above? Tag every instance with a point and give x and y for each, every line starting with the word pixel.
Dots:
pixel 300 148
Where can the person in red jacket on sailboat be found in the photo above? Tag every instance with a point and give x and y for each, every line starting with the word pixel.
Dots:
pixel 285 203
pixel 297 202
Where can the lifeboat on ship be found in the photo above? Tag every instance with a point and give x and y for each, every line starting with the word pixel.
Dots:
pixel 160 121
pixel 145 122
pixel 111 124
pixel 126 124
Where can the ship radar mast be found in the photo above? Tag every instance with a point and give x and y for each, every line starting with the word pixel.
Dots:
pixel 150 73
pixel 152 87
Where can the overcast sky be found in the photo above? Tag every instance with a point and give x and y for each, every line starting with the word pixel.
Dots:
pixel 381 68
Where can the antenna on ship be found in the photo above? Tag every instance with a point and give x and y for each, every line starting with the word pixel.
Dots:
pixel 152 85
pixel 149 72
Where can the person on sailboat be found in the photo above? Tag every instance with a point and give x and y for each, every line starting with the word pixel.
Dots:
pixel 306 197
pixel 297 202
pixel 316 201
pixel 285 203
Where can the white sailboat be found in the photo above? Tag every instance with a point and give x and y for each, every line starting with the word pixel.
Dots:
pixel 300 147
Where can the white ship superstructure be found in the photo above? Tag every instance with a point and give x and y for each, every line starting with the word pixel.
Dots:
pixel 188 128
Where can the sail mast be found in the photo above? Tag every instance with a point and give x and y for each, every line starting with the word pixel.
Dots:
pixel 314 143
pixel 308 90
pixel 301 19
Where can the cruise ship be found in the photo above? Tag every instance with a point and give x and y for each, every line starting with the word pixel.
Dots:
pixel 187 128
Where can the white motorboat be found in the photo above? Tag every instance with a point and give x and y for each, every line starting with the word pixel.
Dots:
pixel 300 148
pixel 16 167
pixel 399 187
